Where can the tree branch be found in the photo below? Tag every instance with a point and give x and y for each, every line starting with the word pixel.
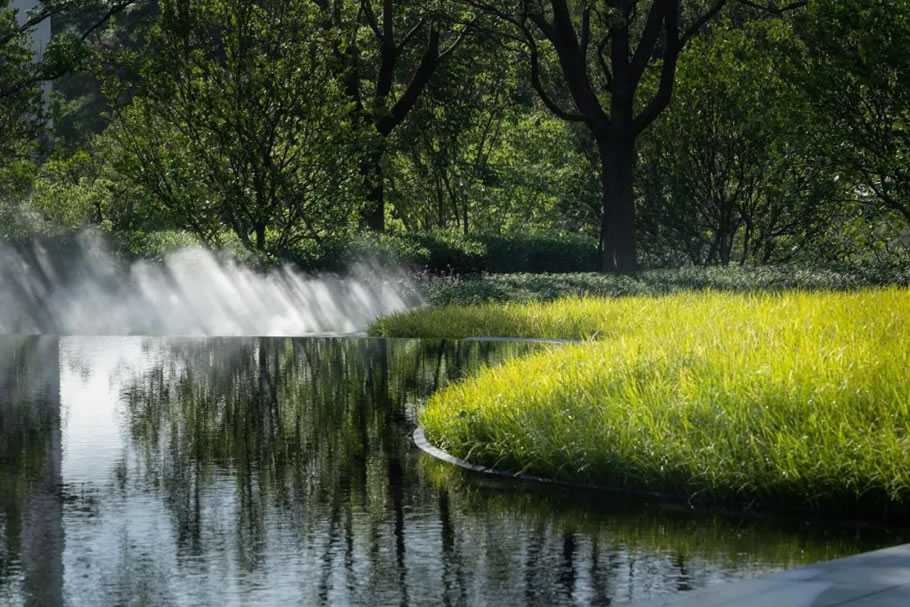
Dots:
pixel 370 15
pixel 648 39
pixel 661 99
pixel 458 41
pixel 114 10
pixel 29 24
pixel 585 31
pixel 701 21
pixel 388 21
pixel 542 93
pixel 545 26
pixel 601 59
pixel 411 33
pixel 428 64
pixel 777 10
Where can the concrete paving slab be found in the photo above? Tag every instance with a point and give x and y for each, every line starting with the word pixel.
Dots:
pixel 874 579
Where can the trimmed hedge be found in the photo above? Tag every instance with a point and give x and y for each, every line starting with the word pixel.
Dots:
pixel 456 255
pixel 537 253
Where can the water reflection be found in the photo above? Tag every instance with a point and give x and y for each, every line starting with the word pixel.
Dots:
pixel 31 531
pixel 165 471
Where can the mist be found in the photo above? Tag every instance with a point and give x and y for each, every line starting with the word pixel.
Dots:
pixel 87 291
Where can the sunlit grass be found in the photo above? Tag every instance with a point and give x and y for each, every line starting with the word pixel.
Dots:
pixel 792 398
pixel 577 318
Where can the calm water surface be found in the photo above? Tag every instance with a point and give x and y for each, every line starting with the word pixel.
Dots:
pixel 267 471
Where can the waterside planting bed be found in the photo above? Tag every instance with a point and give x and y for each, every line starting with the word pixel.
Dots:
pixel 789 399
pixel 528 287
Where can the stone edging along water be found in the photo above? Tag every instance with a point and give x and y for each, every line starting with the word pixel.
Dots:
pixel 692 501
pixel 524 340
pixel 420 440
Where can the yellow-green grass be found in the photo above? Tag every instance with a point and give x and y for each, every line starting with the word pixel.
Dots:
pixel 571 319
pixel 790 399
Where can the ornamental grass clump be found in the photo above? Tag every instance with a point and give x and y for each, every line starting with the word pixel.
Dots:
pixel 783 399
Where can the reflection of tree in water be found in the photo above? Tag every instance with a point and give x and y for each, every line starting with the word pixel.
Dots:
pixel 316 429
pixel 309 439
pixel 31 530
pixel 617 545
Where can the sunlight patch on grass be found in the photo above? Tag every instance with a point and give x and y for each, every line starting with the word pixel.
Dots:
pixel 794 398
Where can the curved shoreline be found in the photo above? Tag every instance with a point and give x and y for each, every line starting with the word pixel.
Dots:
pixel 420 439
pixel 542 414
pixel 707 505
pixel 524 340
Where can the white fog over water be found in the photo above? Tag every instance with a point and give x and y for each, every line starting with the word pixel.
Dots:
pixel 193 292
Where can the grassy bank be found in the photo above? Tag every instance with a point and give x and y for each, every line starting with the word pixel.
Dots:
pixel 794 398
pixel 580 318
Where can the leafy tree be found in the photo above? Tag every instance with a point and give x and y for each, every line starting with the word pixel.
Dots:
pixel 81 109
pixel 238 123
pixel 726 172
pixel 598 55
pixel 386 56
pixel 22 70
pixel 855 72
pixel 81 189
pixel 480 154
pixel 21 123
pixel 23 96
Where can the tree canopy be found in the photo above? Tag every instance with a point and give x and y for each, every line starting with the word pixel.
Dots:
pixel 661 132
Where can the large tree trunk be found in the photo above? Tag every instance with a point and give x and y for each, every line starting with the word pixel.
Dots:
pixel 620 253
pixel 259 230
pixel 375 212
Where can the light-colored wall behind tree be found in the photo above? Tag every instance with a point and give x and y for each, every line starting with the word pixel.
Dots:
pixel 40 34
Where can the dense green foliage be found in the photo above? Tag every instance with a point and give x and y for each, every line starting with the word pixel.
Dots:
pixel 506 152
pixel 286 130
pixel 727 174
pixel 450 254
pixel 797 398
pixel 237 125
pixel 855 76
pixel 526 287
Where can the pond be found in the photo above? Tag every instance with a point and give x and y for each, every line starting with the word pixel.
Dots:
pixel 276 470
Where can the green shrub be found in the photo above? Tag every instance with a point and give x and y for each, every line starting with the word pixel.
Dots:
pixel 447 254
pixel 450 254
pixel 382 249
pixel 153 245
pixel 539 253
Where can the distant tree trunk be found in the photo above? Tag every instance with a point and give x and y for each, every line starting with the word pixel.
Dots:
pixel 725 253
pixel 386 112
pixel 620 251
pixel 374 189
pixel 747 240
pixel 726 233
pixel 260 237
